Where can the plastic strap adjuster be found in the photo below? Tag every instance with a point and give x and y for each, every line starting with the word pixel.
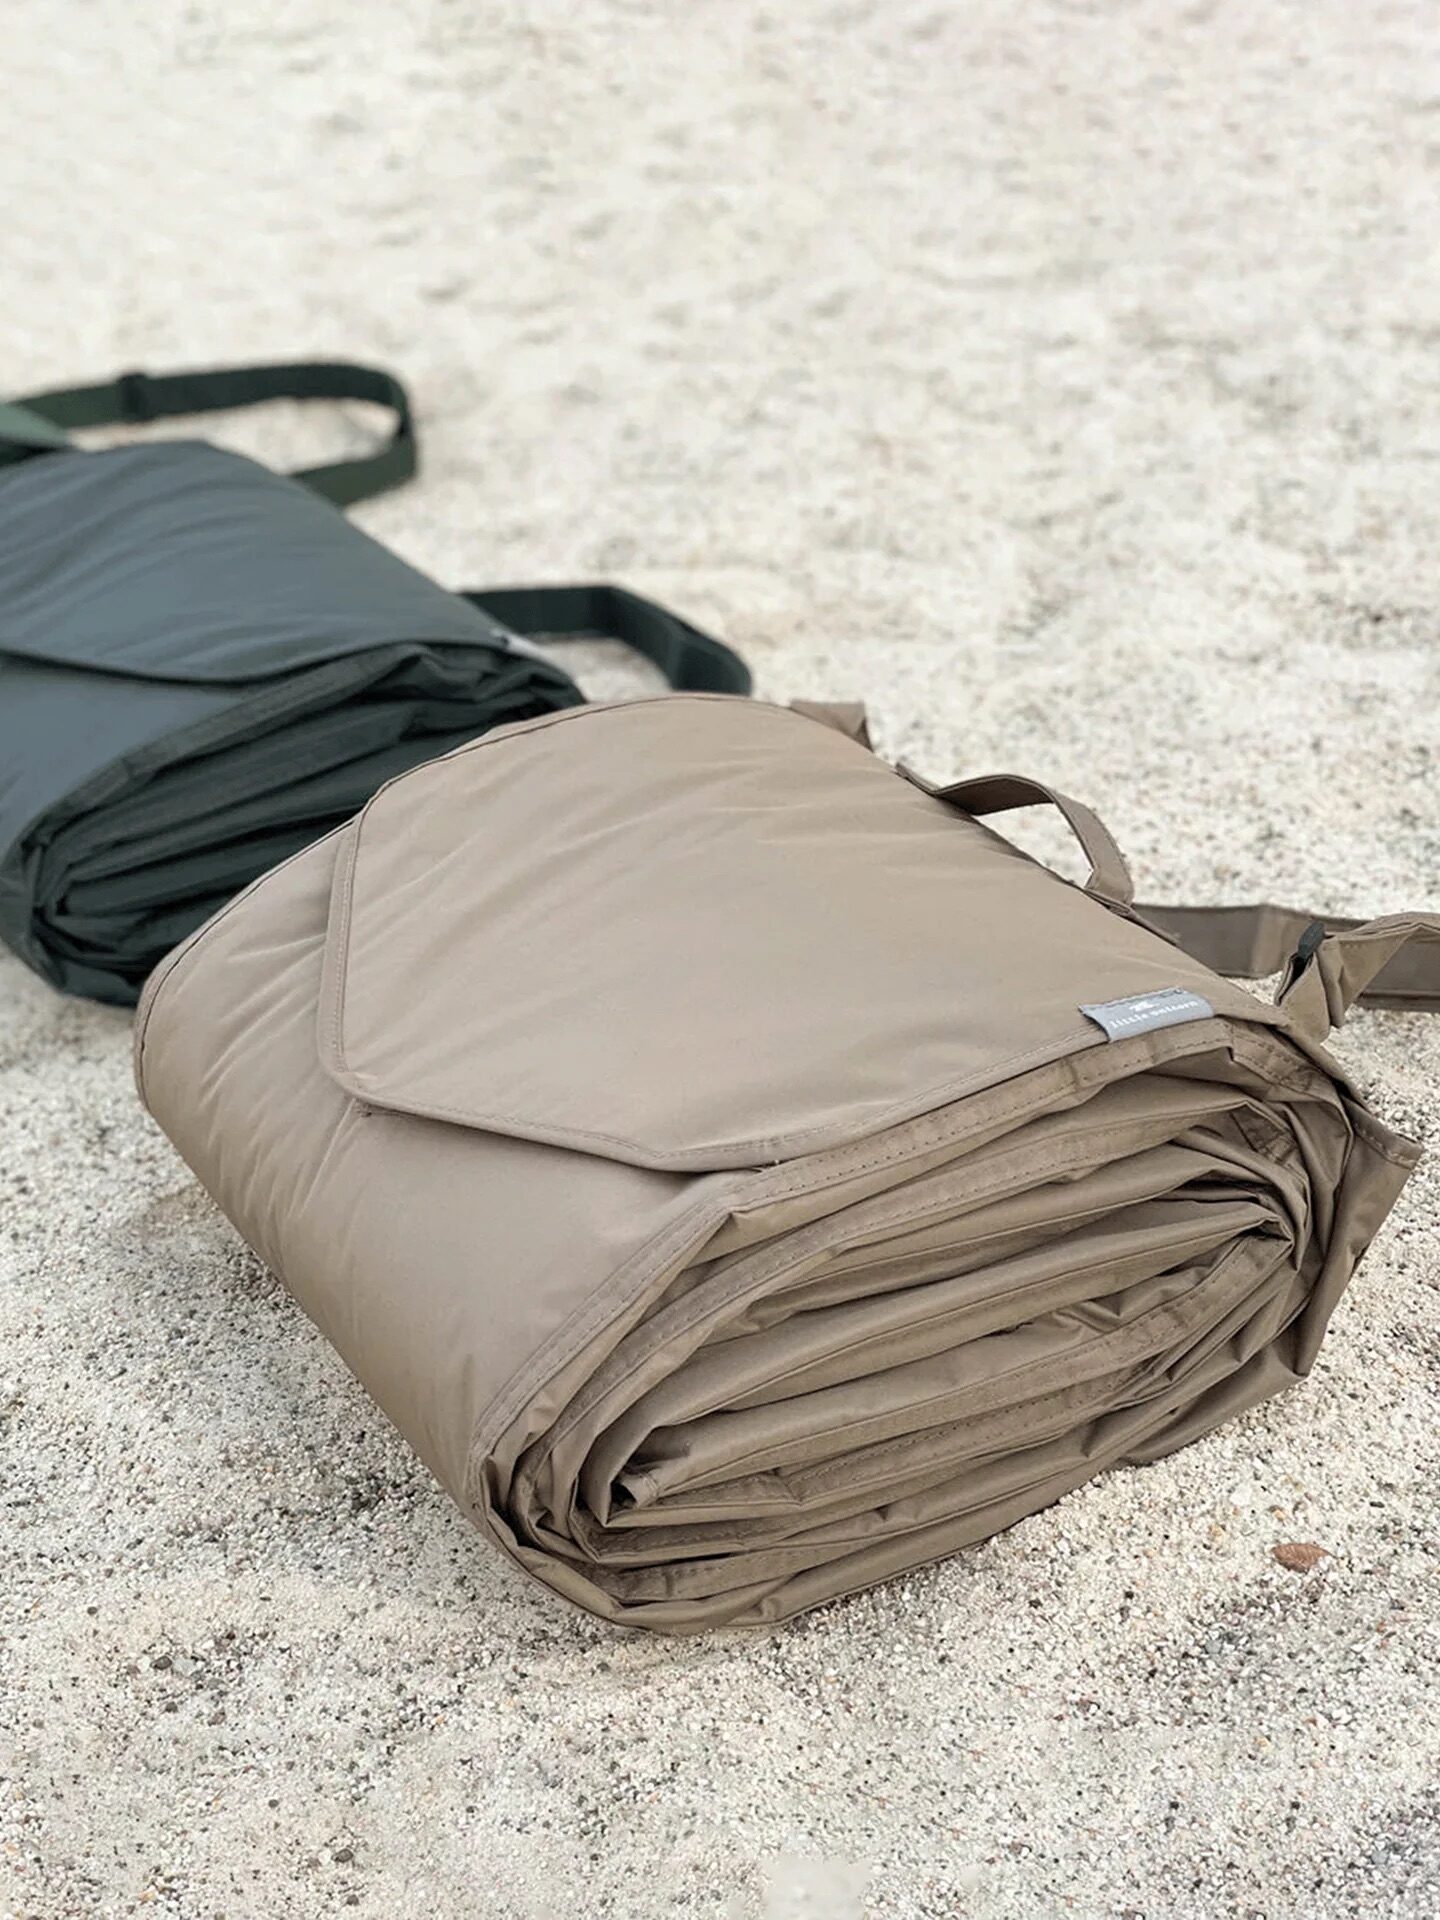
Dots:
pixel 137 406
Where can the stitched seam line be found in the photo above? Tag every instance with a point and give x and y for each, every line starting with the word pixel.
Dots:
pixel 161 976
pixel 1016 1296
pixel 900 1446
pixel 841 1163
pixel 1125 1339
pixel 838 1165
pixel 759 1273
pixel 945 1093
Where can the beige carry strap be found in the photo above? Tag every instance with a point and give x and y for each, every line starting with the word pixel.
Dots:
pixel 1109 880
pixel 1330 964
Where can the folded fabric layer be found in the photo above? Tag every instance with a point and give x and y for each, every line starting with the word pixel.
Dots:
pixel 204 667
pixel 694 1135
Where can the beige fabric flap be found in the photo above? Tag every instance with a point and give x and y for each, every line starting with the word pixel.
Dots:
pixel 753 948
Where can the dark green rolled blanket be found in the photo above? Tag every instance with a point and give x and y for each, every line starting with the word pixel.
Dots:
pixel 204 666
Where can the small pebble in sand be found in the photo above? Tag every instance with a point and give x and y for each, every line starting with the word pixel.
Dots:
pixel 1300 1556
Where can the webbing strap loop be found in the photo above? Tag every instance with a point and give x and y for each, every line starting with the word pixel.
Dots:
pixel 1329 964
pixel 136 398
pixel 692 661
pixel 1109 879
pixel 1394 962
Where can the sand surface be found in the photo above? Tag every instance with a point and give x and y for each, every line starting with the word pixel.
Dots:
pixel 1063 380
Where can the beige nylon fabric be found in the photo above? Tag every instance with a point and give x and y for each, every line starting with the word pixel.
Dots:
pixel 687 1129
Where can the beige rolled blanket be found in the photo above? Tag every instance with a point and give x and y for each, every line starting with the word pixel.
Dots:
pixel 741 1173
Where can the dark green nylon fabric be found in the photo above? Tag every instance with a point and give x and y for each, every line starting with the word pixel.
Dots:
pixel 204 666
pixel 23 432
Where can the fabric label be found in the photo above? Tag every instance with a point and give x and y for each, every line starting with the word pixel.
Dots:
pixel 1144 1012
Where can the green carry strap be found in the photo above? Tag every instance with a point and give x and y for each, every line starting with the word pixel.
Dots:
pixel 692 661
pixel 38 422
